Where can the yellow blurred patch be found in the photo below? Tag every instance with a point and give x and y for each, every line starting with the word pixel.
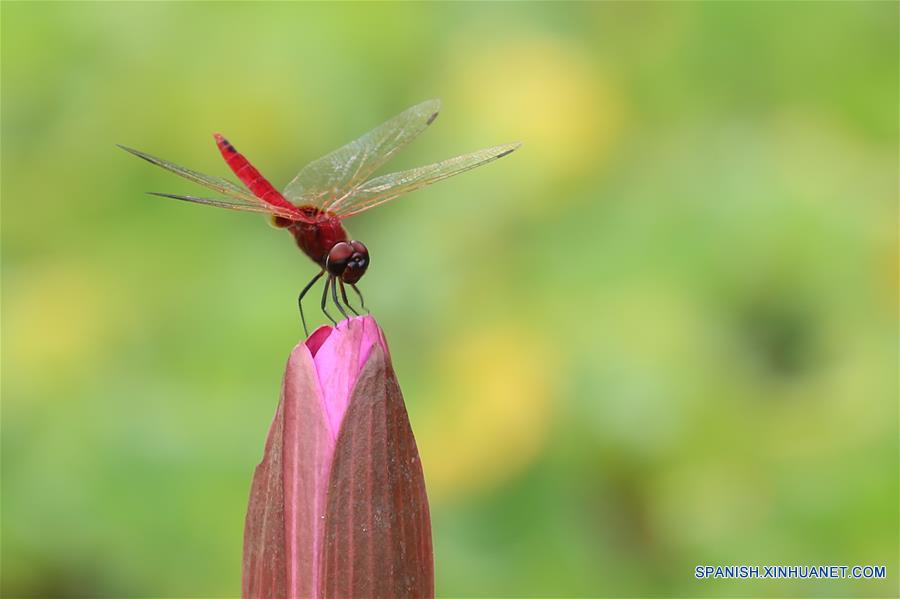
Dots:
pixel 544 91
pixel 495 400
pixel 58 318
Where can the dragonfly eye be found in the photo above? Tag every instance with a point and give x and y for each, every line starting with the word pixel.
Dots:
pixel 338 258
pixel 357 264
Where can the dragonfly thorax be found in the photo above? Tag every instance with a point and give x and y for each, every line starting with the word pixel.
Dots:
pixel 316 238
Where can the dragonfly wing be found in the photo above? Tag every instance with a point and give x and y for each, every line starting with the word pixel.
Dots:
pixel 218 184
pixel 233 204
pixel 327 180
pixel 387 187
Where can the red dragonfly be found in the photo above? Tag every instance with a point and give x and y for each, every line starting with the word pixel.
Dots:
pixel 314 204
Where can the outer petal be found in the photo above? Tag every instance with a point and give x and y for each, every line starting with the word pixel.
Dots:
pixel 283 528
pixel 377 526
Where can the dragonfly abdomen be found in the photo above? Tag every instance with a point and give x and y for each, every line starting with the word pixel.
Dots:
pixel 249 176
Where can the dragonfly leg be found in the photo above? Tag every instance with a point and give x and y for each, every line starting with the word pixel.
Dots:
pixel 300 300
pixel 324 298
pixel 362 302
pixel 334 286
pixel 344 297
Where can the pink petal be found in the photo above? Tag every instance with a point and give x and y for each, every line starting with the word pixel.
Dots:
pixel 283 525
pixel 315 341
pixel 377 524
pixel 338 362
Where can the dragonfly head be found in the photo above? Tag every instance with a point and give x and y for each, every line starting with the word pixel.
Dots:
pixel 348 260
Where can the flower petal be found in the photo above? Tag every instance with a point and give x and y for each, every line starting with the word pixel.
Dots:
pixel 318 337
pixel 338 362
pixel 283 528
pixel 377 526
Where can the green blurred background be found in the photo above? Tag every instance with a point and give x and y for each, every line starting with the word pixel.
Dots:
pixel 662 334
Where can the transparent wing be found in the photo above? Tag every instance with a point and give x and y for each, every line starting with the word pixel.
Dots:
pixel 329 179
pixel 236 198
pixel 218 184
pixel 233 204
pixel 387 187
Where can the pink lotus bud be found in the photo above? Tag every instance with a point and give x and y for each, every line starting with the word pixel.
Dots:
pixel 337 505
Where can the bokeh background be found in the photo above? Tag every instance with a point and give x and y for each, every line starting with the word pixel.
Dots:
pixel 662 334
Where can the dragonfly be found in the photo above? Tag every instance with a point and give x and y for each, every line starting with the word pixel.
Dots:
pixel 314 205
